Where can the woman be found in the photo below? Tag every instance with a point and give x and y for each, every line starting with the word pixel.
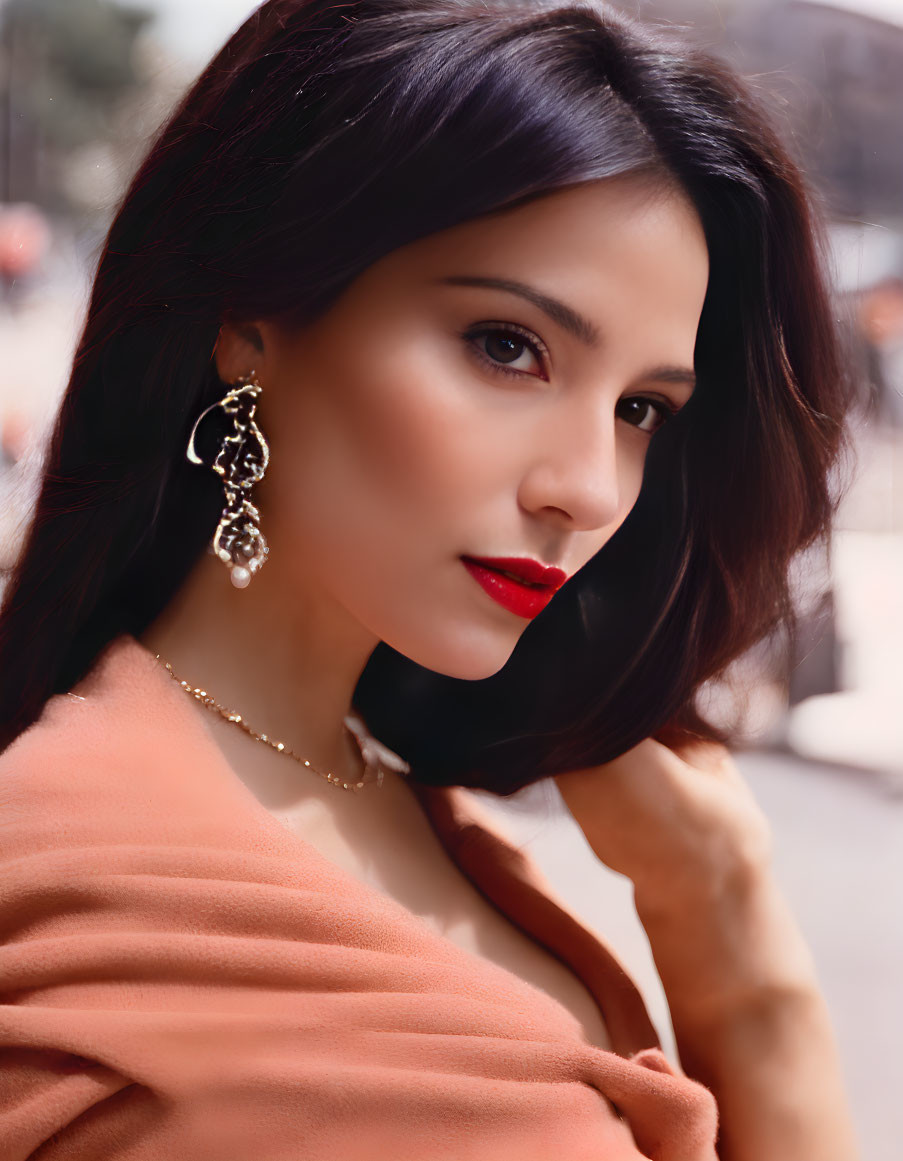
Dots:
pixel 503 330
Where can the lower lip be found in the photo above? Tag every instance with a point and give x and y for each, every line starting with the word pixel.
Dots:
pixel 512 595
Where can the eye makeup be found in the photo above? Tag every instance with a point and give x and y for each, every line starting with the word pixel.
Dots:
pixel 660 406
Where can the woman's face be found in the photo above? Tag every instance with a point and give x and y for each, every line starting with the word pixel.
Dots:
pixel 489 391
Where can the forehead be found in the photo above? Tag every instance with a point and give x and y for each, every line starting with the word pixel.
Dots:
pixel 634 228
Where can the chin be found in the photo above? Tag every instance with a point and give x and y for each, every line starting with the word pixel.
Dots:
pixel 469 656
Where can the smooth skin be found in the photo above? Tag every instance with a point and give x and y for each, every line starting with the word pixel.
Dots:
pixel 426 415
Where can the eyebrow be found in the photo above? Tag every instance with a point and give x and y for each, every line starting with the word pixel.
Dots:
pixel 566 317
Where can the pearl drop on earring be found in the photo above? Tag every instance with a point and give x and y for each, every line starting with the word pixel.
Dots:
pixel 240 577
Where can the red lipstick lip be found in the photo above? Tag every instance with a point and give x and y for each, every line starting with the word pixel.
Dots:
pixel 525 568
pixel 519 597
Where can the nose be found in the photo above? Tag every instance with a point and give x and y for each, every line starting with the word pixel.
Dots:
pixel 574 471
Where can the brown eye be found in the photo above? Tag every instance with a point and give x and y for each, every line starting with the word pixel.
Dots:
pixel 507 350
pixel 646 414
pixel 504 348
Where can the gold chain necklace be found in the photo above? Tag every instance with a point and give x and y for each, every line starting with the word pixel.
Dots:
pixel 205 698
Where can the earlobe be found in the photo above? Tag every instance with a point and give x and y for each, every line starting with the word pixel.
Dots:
pixel 238 347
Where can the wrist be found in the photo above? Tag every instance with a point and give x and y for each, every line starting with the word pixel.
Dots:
pixel 720 884
pixel 729 944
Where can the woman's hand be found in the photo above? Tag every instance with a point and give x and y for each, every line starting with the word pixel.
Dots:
pixel 676 821
pixel 748 1016
pixel 686 829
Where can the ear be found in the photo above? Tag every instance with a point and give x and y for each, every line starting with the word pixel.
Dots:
pixel 239 349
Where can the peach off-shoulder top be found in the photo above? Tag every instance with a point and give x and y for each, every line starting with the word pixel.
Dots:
pixel 182 978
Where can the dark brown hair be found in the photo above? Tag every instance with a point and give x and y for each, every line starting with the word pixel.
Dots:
pixel 320 138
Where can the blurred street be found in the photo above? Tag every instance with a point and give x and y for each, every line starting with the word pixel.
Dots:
pixel 839 859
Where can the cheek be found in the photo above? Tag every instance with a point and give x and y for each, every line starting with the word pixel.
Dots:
pixel 395 455
pixel 403 474
pixel 632 461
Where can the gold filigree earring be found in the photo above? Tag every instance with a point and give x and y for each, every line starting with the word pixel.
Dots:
pixel 242 462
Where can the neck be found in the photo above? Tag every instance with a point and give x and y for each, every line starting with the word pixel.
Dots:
pixel 287 661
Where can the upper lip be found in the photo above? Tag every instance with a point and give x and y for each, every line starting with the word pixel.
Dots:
pixel 525 569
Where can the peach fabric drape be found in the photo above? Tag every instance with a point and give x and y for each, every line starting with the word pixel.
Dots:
pixel 184 979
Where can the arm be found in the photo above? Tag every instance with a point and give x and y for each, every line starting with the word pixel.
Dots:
pixel 749 1019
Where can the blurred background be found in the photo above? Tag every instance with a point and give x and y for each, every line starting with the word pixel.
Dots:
pixel 83 86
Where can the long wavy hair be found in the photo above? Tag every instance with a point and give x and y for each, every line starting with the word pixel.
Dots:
pixel 321 137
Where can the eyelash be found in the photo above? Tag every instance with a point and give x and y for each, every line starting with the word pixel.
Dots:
pixel 664 409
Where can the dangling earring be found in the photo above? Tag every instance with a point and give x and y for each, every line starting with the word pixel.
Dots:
pixel 242 462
